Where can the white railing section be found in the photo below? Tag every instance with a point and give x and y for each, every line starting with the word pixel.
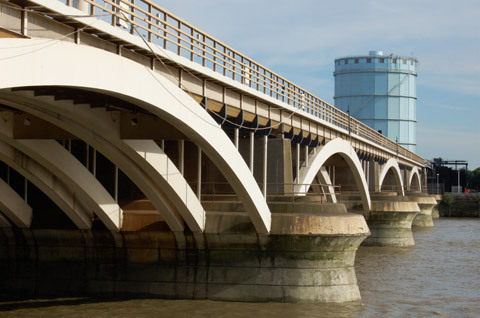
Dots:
pixel 166 30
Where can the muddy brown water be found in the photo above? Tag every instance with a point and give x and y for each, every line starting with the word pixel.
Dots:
pixel 439 277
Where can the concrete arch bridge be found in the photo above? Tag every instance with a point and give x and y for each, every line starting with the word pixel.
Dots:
pixel 128 136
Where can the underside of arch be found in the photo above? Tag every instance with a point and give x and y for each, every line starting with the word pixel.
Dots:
pixel 14 206
pixel 66 167
pixel 342 148
pixel 392 167
pixel 48 67
pixel 325 188
pixel 141 160
pixel 49 184
pixel 414 180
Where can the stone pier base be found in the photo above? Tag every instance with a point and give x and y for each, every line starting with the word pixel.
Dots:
pixel 426 204
pixel 391 223
pixel 435 212
pixel 390 218
pixel 308 257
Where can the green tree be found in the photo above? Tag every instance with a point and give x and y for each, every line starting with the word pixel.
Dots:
pixel 448 201
pixel 473 179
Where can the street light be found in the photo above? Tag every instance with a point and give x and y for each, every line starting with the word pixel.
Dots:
pixel 438 189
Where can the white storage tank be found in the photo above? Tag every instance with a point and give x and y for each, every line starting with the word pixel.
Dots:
pixel 381 92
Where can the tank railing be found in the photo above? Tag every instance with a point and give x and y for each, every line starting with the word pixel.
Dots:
pixel 166 30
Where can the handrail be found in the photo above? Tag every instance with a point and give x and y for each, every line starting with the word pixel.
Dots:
pixel 162 28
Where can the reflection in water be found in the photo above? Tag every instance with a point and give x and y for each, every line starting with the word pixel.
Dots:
pixel 439 277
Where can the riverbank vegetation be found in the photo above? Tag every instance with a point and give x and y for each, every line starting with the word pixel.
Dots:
pixel 459 205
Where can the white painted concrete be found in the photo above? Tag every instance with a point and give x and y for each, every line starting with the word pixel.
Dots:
pixel 49 66
pixel 173 182
pixel 324 178
pixel 343 148
pixel 414 179
pixel 66 167
pixel 14 206
pixel 391 164
pixel 123 34
pixel 100 129
pixel 49 184
pixel 4 222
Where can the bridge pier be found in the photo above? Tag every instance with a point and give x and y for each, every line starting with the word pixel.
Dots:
pixel 308 257
pixel 389 219
pixel 425 203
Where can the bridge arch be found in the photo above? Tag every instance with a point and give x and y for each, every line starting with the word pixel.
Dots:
pixel 14 207
pixel 345 150
pixel 391 175
pixel 141 160
pixel 67 168
pixel 49 184
pixel 414 180
pixel 117 76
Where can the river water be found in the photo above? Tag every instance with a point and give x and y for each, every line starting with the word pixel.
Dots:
pixel 439 277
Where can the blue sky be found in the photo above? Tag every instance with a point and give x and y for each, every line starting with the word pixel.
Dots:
pixel 300 40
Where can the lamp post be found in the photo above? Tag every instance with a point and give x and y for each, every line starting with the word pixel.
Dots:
pixel 438 189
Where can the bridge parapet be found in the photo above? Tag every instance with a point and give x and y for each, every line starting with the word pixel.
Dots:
pixel 172 40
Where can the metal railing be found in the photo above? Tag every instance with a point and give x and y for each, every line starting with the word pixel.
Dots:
pixel 168 31
pixel 216 191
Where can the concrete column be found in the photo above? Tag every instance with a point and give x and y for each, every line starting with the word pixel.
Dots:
pixel 265 167
pixel 280 166
pixel 94 163
pixel 199 173
pixel 115 185
pixel 80 5
pixel 406 178
pixel 374 176
pixel 306 156
pixel 181 156
pixel 236 137
pixel 297 166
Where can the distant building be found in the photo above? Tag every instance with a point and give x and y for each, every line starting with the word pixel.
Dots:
pixel 381 92
pixel 442 178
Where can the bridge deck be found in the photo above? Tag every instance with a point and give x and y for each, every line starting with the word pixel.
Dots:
pixel 231 85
